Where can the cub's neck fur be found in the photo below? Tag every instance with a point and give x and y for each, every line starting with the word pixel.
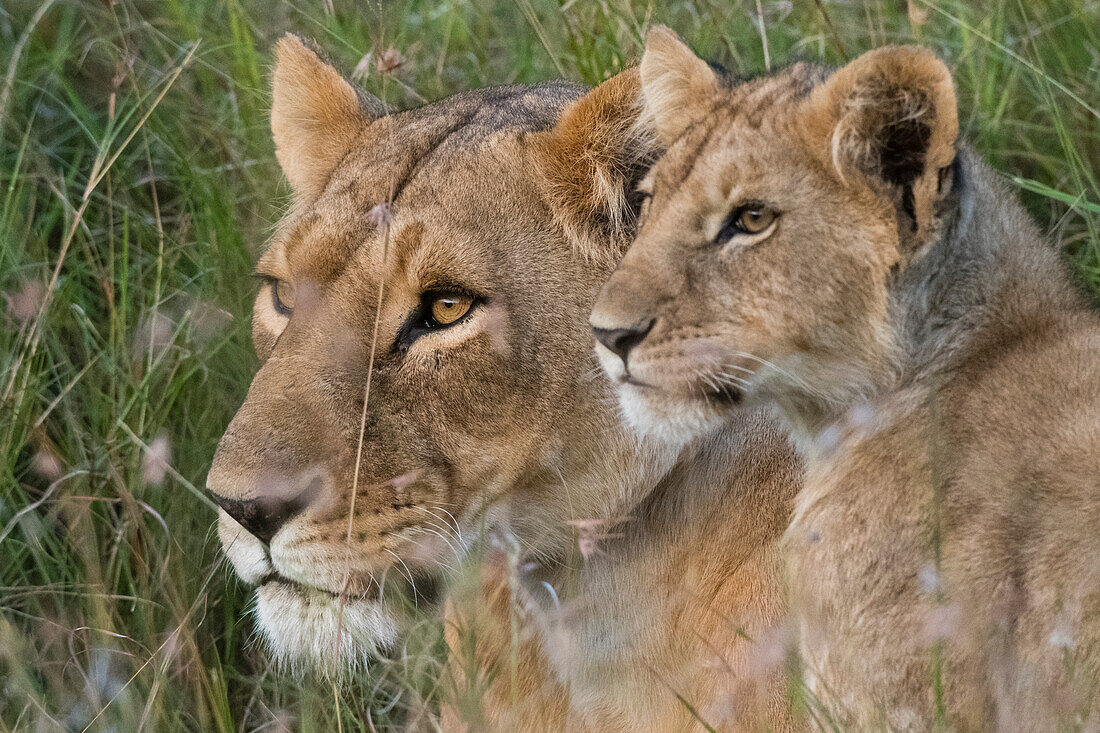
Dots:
pixel 989 277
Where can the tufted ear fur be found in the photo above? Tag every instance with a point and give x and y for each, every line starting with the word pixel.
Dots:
pixel 316 114
pixel 591 163
pixel 677 85
pixel 889 119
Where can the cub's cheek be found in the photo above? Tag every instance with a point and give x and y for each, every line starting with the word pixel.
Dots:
pixel 666 419
pixel 266 327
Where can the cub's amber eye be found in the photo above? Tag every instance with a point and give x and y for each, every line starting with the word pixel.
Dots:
pixel 752 218
pixel 282 297
pixel 755 220
pixel 447 309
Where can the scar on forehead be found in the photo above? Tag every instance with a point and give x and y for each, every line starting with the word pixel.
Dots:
pixel 405 245
pixel 320 246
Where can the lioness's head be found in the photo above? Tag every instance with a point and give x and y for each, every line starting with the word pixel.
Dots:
pixel 780 213
pixel 426 364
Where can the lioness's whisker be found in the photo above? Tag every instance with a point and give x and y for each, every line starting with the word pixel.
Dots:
pixel 457 529
pixel 435 529
pixel 412 581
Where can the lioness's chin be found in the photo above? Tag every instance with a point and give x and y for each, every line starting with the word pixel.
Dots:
pixel 667 418
pixel 309 630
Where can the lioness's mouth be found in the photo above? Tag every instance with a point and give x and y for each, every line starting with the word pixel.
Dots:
pixel 421 588
pixel 373 592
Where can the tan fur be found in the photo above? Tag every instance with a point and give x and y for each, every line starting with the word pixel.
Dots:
pixel 589 162
pixel 315 115
pixel 934 365
pixel 492 435
pixel 671 91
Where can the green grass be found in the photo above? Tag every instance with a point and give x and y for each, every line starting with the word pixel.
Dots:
pixel 138 183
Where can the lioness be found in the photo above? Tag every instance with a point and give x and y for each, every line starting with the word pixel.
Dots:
pixel 820 241
pixel 428 378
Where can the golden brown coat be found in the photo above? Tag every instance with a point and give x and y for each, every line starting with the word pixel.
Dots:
pixel 820 242
pixel 377 447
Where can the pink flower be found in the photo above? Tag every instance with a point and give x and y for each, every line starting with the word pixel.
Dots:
pixel 154 464
pixel 590 533
pixel 941 623
pixel 47 465
pixel 23 305
pixel 381 215
pixel 389 61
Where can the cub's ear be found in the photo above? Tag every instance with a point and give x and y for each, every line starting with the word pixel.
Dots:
pixel 890 118
pixel 590 164
pixel 677 85
pixel 316 114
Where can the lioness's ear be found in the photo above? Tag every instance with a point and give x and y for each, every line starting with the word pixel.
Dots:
pixel 677 85
pixel 890 118
pixel 591 162
pixel 315 115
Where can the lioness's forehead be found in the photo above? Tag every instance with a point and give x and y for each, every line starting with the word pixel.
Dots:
pixel 454 159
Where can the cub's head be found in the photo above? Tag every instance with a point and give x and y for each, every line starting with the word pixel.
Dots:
pixel 426 362
pixel 775 222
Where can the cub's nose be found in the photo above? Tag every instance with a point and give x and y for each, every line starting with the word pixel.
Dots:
pixel 264 516
pixel 622 340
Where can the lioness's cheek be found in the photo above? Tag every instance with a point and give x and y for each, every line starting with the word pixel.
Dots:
pixel 262 340
pixel 266 327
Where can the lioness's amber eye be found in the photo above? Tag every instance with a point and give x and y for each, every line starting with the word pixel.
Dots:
pixel 755 220
pixel 282 296
pixel 449 308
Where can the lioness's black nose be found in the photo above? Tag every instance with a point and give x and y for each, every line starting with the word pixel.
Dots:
pixel 264 516
pixel 622 340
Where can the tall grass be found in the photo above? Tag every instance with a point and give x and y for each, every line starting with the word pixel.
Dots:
pixel 137 184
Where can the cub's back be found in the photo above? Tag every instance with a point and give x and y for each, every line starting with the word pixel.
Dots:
pixel 1017 450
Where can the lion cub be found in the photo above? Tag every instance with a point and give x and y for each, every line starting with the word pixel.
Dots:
pixel 820 241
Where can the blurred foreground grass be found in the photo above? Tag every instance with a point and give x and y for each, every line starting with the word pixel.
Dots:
pixel 138 182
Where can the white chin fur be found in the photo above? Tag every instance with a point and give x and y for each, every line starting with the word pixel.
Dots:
pixel 672 424
pixel 301 627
